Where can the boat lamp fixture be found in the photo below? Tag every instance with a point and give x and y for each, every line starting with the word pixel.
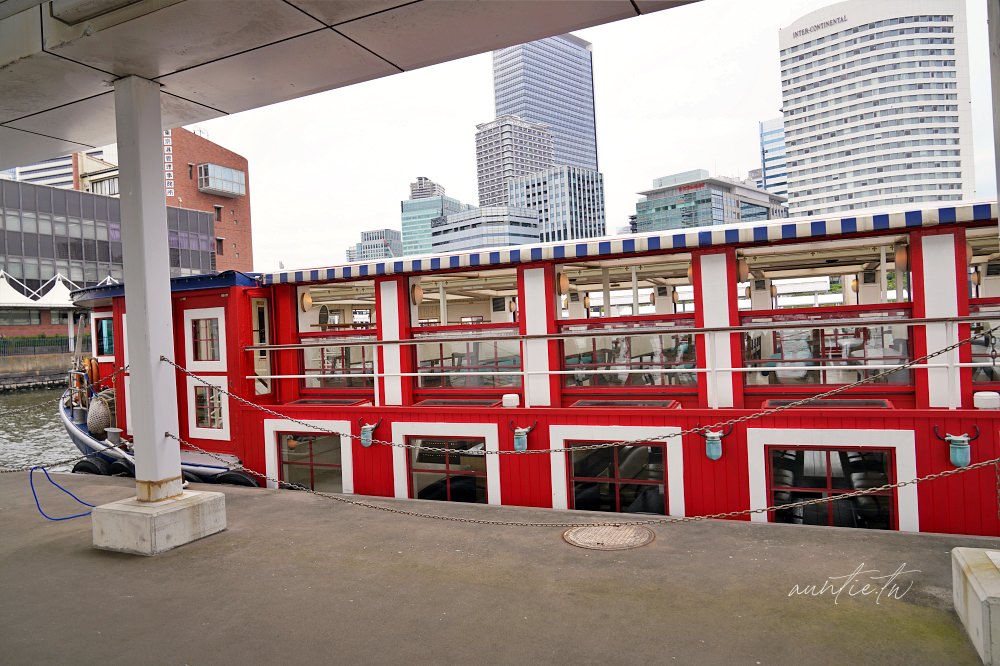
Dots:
pixel 521 436
pixel 713 442
pixel 367 429
pixel 958 445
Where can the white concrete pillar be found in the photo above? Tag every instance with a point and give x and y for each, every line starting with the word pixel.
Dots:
pixel 537 310
pixel 940 281
pixel 147 288
pixel 717 293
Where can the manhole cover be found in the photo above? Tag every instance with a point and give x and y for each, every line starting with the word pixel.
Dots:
pixel 602 537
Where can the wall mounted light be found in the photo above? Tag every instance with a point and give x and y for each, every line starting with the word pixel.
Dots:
pixel 690 273
pixel 713 442
pixel 586 301
pixel 774 291
pixel 512 304
pixel 746 292
pixel 902 258
pixel 306 301
pixel 562 284
pixel 959 451
pixel 367 430
pixel 416 294
pixel 521 436
pixel 742 270
pixel 675 297
pixel 854 285
pixel 976 277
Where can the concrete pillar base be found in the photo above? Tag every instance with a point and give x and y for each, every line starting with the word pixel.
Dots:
pixel 149 528
pixel 975 581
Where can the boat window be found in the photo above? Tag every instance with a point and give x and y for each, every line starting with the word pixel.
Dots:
pixel 455 475
pixel 628 479
pixel 798 347
pixel 804 473
pixel 205 339
pixel 629 356
pixel 312 461
pixel 339 362
pixel 465 298
pixel 336 307
pixel 104 336
pixel 208 407
pixel 261 325
pixel 625 288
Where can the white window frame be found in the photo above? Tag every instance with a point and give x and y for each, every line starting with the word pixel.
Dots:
pixel 219 314
pixel 674 454
pixel 207 433
pixel 901 442
pixel 93 336
pixel 271 459
pixel 400 456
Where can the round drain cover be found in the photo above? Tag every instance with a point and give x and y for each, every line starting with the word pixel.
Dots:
pixel 601 537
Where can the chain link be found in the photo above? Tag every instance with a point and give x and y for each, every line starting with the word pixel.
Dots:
pixel 588 447
pixel 627 523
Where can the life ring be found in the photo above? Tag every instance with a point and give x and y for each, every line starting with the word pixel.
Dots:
pixel 93 370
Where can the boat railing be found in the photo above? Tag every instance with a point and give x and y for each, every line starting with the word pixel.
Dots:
pixel 783 347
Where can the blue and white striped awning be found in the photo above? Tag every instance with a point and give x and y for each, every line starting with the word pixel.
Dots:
pixel 765 231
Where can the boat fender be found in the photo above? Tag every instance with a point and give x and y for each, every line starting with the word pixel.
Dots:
pixel 98 417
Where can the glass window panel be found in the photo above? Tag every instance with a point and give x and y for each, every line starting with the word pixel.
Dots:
pixel 205 339
pixel 104 332
pixel 208 407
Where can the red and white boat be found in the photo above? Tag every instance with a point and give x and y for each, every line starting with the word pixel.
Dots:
pixel 614 339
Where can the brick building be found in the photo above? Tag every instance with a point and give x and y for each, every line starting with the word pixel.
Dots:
pixel 201 175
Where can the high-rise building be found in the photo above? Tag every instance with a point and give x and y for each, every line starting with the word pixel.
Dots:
pixel 774 171
pixel 425 187
pixel 506 148
pixel 492 226
pixel 50 230
pixel 694 199
pixel 876 104
pixel 569 201
pixel 377 244
pixel 416 215
pixel 551 81
pixel 62 171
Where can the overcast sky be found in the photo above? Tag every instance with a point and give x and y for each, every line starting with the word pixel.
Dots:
pixel 675 90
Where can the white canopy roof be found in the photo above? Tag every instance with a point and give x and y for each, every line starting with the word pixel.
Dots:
pixel 216 57
pixel 58 294
pixel 10 297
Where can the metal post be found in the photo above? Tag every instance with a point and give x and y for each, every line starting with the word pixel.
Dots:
pixel 993 19
pixel 152 386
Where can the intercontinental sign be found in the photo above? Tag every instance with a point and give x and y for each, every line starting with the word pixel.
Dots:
pixel 819 26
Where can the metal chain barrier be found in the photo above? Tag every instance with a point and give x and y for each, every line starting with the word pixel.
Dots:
pixel 49 402
pixel 627 523
pixel 28 468
pixel 602 445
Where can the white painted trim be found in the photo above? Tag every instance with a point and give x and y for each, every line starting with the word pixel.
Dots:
pixel 93 335
pixel 716 292
pixel 125 337
pixel 941 300
pixel 128 405
pixel 535 353
pixel 207 433
pixel 560 434
pixel 273 426
pixel 401 466
pixel 902 442
pixel 388 317
pixel 218 313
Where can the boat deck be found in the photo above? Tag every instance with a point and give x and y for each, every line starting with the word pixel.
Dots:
pixel 300 579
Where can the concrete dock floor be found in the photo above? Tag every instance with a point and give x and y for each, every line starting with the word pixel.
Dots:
pixel 300 579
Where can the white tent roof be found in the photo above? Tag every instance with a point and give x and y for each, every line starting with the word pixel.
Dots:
pixel 58 294
pixel 10 297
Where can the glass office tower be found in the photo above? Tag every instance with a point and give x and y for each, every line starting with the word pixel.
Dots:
pixel 551 82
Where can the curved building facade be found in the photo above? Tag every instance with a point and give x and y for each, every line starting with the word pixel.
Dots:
pixel 876 105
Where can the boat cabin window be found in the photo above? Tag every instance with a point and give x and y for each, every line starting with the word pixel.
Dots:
pixel 984 304
pixel 469 320
pixel 337 325
pixel 104 335
pixel 625 287
pixel 208 408
pixel 629 479
pixel 260 314
pixel 457 474
pixel 804 473
pixel 336 307
pixel 205 339
pixel 312 460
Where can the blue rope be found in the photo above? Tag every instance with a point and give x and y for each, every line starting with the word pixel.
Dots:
pixel 31 481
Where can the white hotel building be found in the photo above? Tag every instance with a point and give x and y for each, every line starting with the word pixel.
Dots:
pixel 876 105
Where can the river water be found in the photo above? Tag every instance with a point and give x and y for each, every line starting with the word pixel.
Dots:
pixel 34 436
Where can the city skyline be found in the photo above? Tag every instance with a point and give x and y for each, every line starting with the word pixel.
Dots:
pixel 361 146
